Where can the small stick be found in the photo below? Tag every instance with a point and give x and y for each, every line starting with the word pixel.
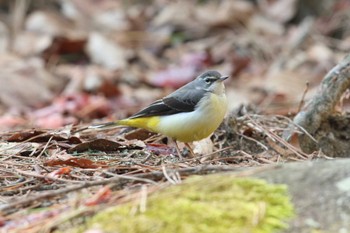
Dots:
pixel 45 147
pixel 177 149
pixel 302 101
pixel 191 151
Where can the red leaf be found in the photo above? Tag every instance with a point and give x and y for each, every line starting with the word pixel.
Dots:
pixel 59 172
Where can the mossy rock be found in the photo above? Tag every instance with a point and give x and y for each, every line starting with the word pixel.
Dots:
pixel 213 203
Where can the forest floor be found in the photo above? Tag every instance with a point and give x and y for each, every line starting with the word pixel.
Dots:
pixel 66 65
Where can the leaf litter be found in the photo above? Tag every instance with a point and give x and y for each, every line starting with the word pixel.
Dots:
pixel 87 62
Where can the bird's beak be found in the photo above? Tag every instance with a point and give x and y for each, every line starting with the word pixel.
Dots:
pixel 223 78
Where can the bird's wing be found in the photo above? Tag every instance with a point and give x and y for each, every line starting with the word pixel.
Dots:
pixel 157 108
pixel 182 100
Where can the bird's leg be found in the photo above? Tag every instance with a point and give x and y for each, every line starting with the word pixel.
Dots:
pixel 178 149
pixel 191 151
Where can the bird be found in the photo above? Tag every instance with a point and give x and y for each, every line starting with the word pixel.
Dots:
pixel 190 113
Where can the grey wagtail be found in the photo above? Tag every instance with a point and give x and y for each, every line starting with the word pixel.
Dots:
pixel 189 114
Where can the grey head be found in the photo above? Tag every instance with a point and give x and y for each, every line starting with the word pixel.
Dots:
pixel 208 80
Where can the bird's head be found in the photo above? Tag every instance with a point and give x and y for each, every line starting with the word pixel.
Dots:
pixel 211 81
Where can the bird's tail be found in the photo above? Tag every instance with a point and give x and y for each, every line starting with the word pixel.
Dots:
pixel 111 124
pixel 148 123
pixel 100 126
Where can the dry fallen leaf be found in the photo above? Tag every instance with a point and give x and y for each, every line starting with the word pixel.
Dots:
pixel 98 144
pixel 41 136
pixel 50 23
pixel 263 25
pixel 75 162
pixel 24 148
pixel 139 134
pixel 203 147
pixel 281 10
pixel 106 52
pixel 31 43
pixel 26 82
pixel 25 135
pixel 226 13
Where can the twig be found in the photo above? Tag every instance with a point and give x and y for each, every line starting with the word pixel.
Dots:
pixel 253 140
pixel 45 147
pixel 173 180
pixel 302 101
pixel 31 174
pixel 131 178
pixel 287 133
pixel 143 198
pixel 208 156
pixel 152 175
pixel 275 137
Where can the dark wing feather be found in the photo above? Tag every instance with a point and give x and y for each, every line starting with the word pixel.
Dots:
pixel 157 108
pixel 184 99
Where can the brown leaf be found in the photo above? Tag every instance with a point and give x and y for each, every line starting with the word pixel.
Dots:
pixel 75 162
pixel 98 144
pixel 65 46
pixel 25 135
pixel 139 134
pixel 109 89
pixel 34 136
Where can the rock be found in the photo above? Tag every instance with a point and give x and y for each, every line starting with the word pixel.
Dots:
pixel 320 193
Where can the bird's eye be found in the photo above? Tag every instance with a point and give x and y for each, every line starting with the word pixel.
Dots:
pixel 207 81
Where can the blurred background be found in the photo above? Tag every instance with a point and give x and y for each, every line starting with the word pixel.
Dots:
pixel 82 61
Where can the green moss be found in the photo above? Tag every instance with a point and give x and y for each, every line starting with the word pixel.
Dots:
pixel 215 203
